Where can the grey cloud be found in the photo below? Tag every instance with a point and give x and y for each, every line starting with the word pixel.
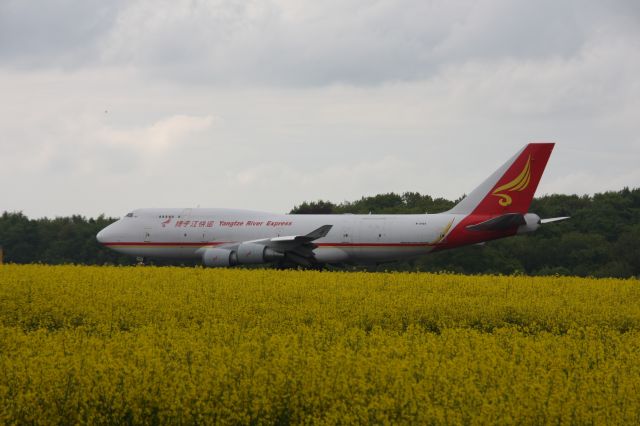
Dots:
pixel 227 103
pixel 354 42
pixel 272 148
pixel 53 33
pixel 283 43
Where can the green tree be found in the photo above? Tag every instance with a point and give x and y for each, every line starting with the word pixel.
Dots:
pixel 601 239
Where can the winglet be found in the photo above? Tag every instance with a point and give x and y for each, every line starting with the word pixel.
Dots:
pixel 319 233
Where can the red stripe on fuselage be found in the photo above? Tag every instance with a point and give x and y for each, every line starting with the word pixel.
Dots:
pixel 374 244
pixel 151 244
pixel 165 244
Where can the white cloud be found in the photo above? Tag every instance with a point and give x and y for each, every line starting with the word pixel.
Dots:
pixel 355 178
pixel 585 182
pixel 266 104
pixel 158 137
pixel 285 43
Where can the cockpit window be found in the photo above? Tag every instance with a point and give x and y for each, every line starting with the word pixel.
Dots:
pixel 129 214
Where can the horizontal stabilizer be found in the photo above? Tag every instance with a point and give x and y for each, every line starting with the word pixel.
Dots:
pixel 500 223
pixel 554 219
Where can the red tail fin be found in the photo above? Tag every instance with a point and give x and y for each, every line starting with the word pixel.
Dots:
pixel 509 189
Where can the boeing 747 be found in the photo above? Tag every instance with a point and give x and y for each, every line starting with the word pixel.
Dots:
pixel 498 208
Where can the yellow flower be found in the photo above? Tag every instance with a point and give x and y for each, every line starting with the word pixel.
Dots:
pixel 182 345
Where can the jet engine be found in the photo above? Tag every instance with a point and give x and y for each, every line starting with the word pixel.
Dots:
pixel 246 253
pixel 257 253
pixel 219 257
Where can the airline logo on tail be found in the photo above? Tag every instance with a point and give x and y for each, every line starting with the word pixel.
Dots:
pixel 520 183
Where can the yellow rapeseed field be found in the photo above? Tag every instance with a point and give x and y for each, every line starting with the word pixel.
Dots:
pixel 153 345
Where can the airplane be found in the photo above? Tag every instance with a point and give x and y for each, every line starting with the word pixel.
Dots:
pixel 498 208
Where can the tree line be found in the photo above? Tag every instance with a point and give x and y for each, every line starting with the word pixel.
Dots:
pixel 601 239
pixel 56 241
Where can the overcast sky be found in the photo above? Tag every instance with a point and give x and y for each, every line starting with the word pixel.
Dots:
pixel 106 106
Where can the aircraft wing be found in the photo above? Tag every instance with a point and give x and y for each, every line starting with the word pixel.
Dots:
pixel 299 248
pixel 313 235
pixel 296 248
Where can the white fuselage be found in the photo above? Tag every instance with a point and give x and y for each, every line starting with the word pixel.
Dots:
pixel 186 233
pixel 497 208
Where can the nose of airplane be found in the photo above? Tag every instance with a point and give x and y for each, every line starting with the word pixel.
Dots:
pixel 103 236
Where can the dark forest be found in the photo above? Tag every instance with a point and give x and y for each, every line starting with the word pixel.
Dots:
pixel 602 238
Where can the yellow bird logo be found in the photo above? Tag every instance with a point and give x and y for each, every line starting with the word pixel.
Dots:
pixel 518 184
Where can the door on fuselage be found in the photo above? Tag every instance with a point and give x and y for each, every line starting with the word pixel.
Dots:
pixel 185 217
pixel 371 238
pixel 346 230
